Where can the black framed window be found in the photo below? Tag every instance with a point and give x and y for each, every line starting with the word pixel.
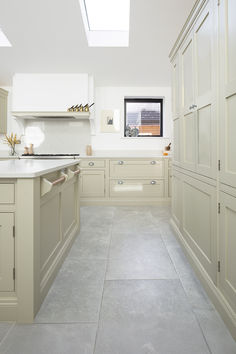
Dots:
pixel 143 117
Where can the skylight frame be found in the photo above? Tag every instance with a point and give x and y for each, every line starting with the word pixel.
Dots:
pixel 103 38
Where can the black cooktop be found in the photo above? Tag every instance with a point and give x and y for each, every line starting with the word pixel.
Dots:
pixel 50 155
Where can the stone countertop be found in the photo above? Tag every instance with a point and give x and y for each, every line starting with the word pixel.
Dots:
pixel 125 153
pixel 30 168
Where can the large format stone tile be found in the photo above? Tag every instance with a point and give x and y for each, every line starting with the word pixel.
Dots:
pixel 215 332
pixel 93 244
pixel 192 286
pixel 133 220
pixel 139 317
pixel 76 293
pixel 139 256
pixel 168 236
pixel 4 329
pixel 50 339
pixel 99 218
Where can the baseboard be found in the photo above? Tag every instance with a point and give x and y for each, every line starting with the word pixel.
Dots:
pixel 124 202
pixel 212 290
pixel 8 309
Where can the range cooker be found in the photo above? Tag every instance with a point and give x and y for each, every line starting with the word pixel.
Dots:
pixel 50 156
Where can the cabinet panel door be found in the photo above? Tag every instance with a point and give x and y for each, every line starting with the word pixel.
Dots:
pixel 189 142
pixel 92 183
pixel 199 222
pixel 187 70
pixel 176 89
pixel 177 141
pixel 228 248
pixel 6 252
pixel 69 208
pixel 228 92
pixel 176 201
pixel 205 92
pixel 136 168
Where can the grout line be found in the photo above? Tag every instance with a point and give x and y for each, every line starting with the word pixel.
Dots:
pixel 8 332
pixel 107 260
pixel 61 323
pixel 187 297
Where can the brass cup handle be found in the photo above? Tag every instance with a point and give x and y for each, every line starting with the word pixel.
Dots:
pixel 120 182
pixel 91 163
pixel 153 162
pixel 153 182
pixel 121 162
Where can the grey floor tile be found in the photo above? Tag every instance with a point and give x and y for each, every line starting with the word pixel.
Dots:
pixel 217 335
pixel 76 293
pixel 140 317
pixel 168 236
pixel 94 244
pixel 50 339
pixel 4 329
pixel 192 286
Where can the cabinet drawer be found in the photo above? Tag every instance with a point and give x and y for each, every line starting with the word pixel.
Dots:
pixel 136 168
pixel 137 188
pixel 7 193
pixel 92 163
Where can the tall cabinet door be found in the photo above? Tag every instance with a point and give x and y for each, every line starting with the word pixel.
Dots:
pixel 176 96
pixel 205 91
pixel 228 92
pixel 6 252
pixel 228 247
pixel 188 118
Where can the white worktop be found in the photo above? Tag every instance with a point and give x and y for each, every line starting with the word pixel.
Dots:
pixel 124 153
pixel 31 168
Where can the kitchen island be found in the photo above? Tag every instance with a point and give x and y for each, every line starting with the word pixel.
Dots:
pixel 39 219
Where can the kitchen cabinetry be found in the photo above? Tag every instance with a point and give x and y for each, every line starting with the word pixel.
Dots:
pixel 227 248
pixel 7 245
pixel 124 181
pixel 227 33
pixel 198 65
pixel 39 219
pixel 92 184
pixel 3 111
pixel 204 189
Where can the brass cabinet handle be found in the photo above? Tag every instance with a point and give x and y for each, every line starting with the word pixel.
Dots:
pixel 91 163
pixel 153 182
pixel 121 162
pixel 120 182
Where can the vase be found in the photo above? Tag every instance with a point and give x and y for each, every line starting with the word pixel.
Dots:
pixel 12 151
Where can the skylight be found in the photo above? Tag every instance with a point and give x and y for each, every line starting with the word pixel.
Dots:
pixel 106 22
pixel 107 15
pixel 4 42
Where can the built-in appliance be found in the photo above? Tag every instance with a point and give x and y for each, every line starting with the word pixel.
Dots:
pixel 50 156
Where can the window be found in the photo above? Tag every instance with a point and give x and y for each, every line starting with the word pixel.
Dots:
pixel 143 117
pixel 106 22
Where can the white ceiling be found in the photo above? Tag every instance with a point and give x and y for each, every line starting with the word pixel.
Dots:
pixel 47 36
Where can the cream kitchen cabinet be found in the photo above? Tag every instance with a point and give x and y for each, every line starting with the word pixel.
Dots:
pixel 124 181
pixel 204 189
pixel 227 33
pixel 137 167
pixel 195 148
pixel 92 184
pixel 7 252
pixel 3 111
pixel 199 220
pixel 39 220
pixel 227 275
pixel 137 188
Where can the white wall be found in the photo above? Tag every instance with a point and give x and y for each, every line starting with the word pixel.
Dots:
pixel 112 98
pixel 55 92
